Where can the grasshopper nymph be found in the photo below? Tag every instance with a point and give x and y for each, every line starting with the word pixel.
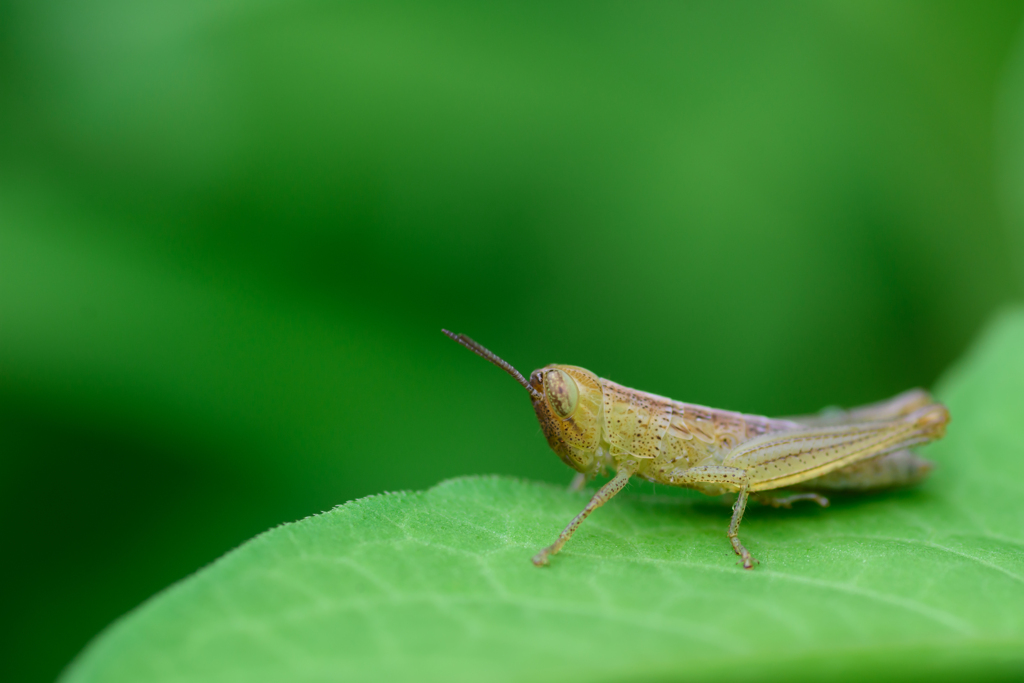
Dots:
pixel 595 425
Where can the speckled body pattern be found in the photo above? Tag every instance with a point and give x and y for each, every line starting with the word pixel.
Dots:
pixel 595 425
pixel 860 449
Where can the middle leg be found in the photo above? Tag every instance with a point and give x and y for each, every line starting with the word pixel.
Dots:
pixel 730 478
pixel 734 529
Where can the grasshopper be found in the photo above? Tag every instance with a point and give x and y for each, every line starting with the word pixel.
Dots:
pixel 595 425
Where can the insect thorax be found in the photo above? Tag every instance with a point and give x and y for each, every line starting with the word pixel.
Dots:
pixel 667 436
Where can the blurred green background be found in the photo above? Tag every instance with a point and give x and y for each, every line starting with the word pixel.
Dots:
pixel 230 233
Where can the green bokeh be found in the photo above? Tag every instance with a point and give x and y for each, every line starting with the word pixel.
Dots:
pixel 231 231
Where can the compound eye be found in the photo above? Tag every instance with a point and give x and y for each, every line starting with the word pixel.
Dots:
pixel 562 393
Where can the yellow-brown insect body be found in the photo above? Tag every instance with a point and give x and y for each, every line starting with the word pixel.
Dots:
pixel 612 423
pixel 594 424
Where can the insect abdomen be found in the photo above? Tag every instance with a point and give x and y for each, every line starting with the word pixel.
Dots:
pixel 900 468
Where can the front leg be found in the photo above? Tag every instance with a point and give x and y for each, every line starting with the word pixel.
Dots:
pixel 730 478
pixel 603 495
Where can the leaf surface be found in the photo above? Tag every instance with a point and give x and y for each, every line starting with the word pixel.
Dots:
pixel 438 585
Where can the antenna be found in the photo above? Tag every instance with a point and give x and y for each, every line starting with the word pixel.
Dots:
pixel 490 356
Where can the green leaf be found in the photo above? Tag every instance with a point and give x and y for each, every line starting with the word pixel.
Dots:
pixel 438 585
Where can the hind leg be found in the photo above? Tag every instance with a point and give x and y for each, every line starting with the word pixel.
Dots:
pixel 730 478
